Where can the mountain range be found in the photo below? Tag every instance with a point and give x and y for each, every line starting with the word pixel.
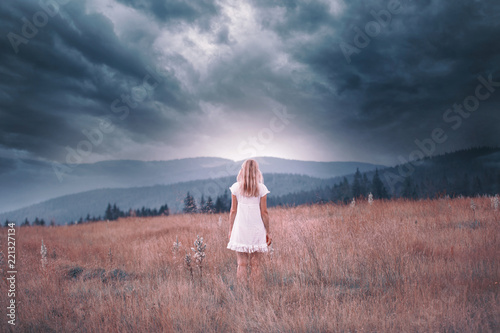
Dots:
pixel 137 184
pixel 27 184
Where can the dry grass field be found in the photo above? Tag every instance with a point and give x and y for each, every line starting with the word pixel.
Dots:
pixel 394 266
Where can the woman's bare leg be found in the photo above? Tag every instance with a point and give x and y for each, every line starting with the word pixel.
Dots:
pixel 255 270
pixel 241 273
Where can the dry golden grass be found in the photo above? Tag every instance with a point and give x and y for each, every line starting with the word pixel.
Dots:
pixel 396 266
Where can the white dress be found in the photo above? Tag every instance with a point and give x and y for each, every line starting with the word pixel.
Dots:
pixel 248 233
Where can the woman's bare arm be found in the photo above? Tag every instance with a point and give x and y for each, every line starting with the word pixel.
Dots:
pixel 264 214
pixel 232 212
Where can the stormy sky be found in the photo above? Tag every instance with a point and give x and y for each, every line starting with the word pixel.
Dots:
pixel 91 80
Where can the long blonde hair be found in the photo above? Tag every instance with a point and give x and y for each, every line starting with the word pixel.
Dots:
pixel 249 178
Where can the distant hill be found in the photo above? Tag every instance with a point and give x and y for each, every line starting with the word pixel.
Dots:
pixel 465 172
pixel 468 172
pixel 24 182
pixel 71 207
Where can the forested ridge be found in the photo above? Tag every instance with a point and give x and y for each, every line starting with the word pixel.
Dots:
pixel 469 172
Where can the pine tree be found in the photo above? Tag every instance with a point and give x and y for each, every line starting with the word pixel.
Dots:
pixel 463 187
pixel 164 210
pixel 334 193
pixel 219 206
pixel 189 204
pixel 444 185
pixel 202 204
pixel 365 185
pixel 378 188
pixel 209 206
pixel 356 184
pixel 477 187
pixel 409 190
pixel 345 191
pixel 226 200
pixel 108 215
pixel 115 212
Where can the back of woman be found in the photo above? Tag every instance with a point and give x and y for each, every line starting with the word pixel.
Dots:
pixel 249 219
pixel 244 199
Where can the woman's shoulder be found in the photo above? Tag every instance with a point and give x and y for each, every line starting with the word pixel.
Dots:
pixel 263 190
pixel 235 188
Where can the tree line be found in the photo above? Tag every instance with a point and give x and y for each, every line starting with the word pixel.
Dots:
pixel 112 213
pixel 432 184
pixel 343 191
pixel 222 204
pixel 467 172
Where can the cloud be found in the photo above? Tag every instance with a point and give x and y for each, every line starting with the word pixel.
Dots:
pixel 224 66
pixel 427 58
pixel 198 12
pixel 66 79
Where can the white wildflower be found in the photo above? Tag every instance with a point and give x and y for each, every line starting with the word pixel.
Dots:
pixel 187 261
pixel 353 203
pixel 495 202
pixel 43 252
pixel 176 246
pixel 472 205
pixel 370 198
pixel 199 253
pixel 199 250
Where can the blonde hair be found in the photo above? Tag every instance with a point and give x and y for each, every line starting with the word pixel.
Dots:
pixel 249 178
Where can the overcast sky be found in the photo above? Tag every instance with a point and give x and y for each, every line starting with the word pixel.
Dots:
pixel 308 80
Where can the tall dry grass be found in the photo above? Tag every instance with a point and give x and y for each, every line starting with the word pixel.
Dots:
pixel 394 266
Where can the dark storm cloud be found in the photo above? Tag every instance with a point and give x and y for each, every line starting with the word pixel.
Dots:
pixel 426 59
pixel 300 16
pixel 242 62
pixel 173 11
pixel 73 69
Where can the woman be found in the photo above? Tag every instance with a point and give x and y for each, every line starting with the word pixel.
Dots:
pixel 249 230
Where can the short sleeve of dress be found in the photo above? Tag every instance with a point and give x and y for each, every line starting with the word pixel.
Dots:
pixel 263 190
pixel 235 188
